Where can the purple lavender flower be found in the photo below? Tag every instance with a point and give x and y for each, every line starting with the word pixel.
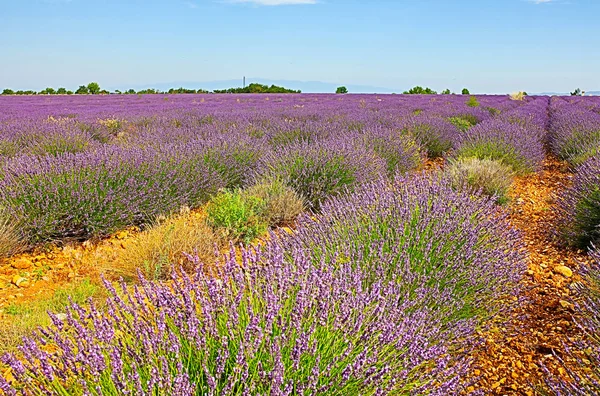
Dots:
pixel 579 206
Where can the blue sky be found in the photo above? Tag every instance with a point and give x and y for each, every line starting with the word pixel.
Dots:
pixel 490 46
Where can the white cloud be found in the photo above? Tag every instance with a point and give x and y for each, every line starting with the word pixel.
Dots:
pixel 190 4
pixel 274 2
pixel 541 1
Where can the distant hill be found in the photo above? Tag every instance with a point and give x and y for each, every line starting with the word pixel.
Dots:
pixel 304 86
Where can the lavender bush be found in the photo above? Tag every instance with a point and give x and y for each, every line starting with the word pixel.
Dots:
pixel 419 232
pixel 579 206
pixel 271 325
pixel 42 137
pixel 401 152
pixel 513 145
pixel 319 171
pixel 234 159
pixel 574 133
pixel 435 134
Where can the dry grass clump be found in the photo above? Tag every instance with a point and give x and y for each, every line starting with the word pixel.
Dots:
pixel 518 95
pixel 491 177
pixel 155 251
pixel 10 239
pixel 282 205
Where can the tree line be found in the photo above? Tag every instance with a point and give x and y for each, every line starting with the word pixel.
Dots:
pixel 94 88
pixel 418 90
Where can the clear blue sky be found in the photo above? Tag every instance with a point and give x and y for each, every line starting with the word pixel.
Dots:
pixel 487 45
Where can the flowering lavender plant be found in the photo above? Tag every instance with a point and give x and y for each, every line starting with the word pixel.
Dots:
pixel 579 206
pixel 275 324
pixel 434 133
pixel 419 232
pixel 515 146
pixel 401 152
pixel 574 132
pixel 319 171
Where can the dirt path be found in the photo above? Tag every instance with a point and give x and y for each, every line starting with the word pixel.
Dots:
pixel 538 325
pixel 34 275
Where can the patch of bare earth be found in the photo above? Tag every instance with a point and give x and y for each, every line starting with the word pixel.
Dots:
pixel 539 324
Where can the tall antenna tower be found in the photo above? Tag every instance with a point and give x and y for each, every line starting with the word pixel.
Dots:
pixel 244 81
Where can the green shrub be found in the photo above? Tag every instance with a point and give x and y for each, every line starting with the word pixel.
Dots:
pixel 493 111
pixel 472 102
pixel 282 204
pixel 237 216
pixel 460 122
pixel 9 148
pixel 57 144
pixel 584 155
pixel 491 177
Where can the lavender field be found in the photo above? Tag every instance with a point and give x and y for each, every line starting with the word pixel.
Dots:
pixel 364 243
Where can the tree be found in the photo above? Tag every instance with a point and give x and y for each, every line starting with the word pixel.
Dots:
pixel 418 90
pixel 82 90
pixel 93 88
pixel 69 92
pixel 48 91
pixel 446 92
pixel 465 91
pixel 61 91
pixel 341 90
pixel 8 92
pixel 577 92
pixel 130 92
pixel 148 91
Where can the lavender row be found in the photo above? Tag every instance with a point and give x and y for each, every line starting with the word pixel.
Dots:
pixel 381 294
pixel 78 196
pixel 574 131
pixel 579 206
